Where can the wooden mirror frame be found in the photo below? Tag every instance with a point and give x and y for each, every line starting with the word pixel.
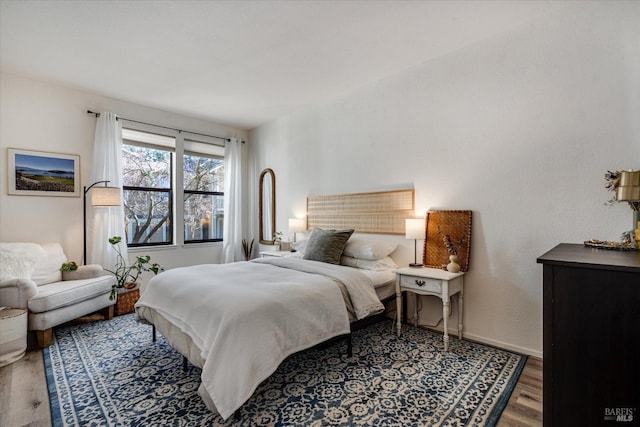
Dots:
pixel 261 208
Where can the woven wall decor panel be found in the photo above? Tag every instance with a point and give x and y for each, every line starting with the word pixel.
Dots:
pixel 457 226
pixel 381 212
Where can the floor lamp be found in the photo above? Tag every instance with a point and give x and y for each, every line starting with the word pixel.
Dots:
pixel 100 196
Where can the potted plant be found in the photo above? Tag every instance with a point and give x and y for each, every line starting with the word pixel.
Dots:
pixel 247 249
pixel 69 266
pixel 277 239
pixel 126 275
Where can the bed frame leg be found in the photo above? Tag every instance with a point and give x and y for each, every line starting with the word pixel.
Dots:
pixel 184 364
pixel 153 332
pixel 349 346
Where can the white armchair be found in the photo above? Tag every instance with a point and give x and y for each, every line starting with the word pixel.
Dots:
pixel 30 278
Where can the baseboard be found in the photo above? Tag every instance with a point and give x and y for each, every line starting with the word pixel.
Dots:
pixel 503 345
pixel 390 314
pixel 488 341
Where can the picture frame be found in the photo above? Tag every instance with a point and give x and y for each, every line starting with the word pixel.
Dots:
pixel 42 173
pixel 455 226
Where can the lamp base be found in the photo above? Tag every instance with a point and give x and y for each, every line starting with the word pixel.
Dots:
pixel 414 265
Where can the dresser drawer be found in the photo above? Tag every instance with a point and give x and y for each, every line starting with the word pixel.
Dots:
pixel 421 284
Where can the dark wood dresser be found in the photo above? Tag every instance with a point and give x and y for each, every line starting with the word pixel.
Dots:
pixel 591 316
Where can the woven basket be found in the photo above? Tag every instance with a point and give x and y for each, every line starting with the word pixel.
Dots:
pixel 126 301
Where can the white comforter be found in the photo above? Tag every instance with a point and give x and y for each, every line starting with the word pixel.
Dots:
pixel 247 317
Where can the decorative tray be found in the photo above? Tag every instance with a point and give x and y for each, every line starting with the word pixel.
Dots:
pixel 603 244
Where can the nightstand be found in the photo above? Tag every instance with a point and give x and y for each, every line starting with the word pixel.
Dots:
pixel 430 281
pixel 278 254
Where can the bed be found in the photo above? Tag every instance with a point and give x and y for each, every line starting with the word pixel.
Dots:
pixel 239 321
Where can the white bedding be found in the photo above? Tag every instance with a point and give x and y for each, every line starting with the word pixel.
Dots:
pixel 247 317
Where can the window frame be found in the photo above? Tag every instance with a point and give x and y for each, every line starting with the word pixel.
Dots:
pixel 169 191
pixel 199 192
pixel 177 150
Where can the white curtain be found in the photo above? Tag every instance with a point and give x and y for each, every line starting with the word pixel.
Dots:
pixel 106 222
pixel 232 240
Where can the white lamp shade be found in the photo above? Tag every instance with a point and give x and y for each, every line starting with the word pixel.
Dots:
pixel 297 225
pixel 105 196
pixel 414 228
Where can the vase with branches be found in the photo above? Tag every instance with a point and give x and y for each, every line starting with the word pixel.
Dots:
pixel 452 248
pixel 247 249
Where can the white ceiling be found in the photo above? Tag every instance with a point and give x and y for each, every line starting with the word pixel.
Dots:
pixel 241 63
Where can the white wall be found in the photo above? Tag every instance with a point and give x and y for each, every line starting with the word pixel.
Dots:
pixel 41 116
pixel 519 128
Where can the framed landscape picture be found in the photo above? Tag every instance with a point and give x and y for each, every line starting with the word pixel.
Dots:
pixel 38 173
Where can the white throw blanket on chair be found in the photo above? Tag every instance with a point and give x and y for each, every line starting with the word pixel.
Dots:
pixel 19 260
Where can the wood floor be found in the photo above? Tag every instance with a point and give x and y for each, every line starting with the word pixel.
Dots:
pixel 24 399
pixel 525 405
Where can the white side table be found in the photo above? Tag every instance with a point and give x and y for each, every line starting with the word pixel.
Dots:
pixel 278 254
pixel 13 334
pixel 430 281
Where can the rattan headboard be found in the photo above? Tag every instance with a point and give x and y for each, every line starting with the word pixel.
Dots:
pixel 381 212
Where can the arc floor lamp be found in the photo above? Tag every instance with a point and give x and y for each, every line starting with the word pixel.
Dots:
pixel 100 196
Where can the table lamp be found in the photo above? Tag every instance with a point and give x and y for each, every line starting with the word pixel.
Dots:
pixel 628 190
pixel 414 229
pixel 297 225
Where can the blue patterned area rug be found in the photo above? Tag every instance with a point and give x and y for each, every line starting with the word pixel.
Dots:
pixel 110 373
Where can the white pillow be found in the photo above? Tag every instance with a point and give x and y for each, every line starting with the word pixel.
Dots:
pixel 300 245
pixel 381 264
pixel 369 249
pixel 48 270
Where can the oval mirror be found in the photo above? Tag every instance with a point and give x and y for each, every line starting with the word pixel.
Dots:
pixel 267 207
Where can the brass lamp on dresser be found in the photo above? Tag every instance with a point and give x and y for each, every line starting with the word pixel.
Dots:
pixel 591 336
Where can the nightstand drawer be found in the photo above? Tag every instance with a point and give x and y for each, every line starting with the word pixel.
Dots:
pixel 421 283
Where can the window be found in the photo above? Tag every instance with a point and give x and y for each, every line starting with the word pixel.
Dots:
pixel 155 207
pixel 147 192
pixel 203 198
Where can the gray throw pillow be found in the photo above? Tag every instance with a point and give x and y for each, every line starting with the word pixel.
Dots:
pixel 326 245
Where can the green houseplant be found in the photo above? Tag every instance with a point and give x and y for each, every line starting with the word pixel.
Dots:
pixel 69 266
pixel 126 275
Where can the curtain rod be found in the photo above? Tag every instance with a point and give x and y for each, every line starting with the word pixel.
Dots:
pixel 164 127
